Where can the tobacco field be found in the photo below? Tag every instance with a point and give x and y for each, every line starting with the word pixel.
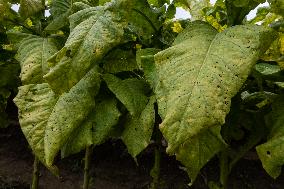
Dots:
pixel 95 86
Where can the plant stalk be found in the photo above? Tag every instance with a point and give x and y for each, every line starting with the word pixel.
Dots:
pixel 155 171
pixel 35 173
pixel 224 168
pixel 88 155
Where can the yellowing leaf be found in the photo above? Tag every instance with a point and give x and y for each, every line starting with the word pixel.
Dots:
pixel 90 39
pixel 213 72
pixel 94 32
pixel 32 55
pixel 47 120
pixel 35 103
pixel 195 80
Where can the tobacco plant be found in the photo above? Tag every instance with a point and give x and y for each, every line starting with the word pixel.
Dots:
pixel 125 69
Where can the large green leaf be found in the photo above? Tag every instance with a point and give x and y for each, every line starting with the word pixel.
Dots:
pixel 197 151
pixel 271 153
pixel 48 120
pixel 95 31
pixel 70 111
pixel 96 128
pixel 91 37
pixel 32 55
pixel 139 128
pixel 140 120
pixel 35 103
pixel 195 87
pixel 131 92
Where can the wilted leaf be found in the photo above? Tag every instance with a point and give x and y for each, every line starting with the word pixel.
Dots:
pixel 48 120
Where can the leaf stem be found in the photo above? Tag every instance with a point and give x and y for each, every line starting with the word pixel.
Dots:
pixel 35 173
pixel 88 155
pixel 155 171
pixel 224 168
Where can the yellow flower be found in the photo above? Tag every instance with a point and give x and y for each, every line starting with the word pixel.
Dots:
pixel 177 28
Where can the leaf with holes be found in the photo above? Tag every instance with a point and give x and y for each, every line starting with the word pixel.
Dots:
pixel 94 32
pixel 195 87
pixel 32 54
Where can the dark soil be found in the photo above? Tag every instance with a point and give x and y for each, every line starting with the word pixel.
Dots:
pixel 113 168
